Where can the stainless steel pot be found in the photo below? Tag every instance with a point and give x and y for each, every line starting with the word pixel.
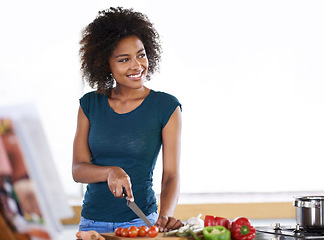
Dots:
pixel 310 212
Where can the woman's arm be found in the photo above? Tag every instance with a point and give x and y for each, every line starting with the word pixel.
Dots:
pixel 171 146
pixel 85 172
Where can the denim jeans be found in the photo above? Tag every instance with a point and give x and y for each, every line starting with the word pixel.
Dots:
pixel 106 227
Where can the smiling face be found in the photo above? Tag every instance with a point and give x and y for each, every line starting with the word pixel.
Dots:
pixel 128 63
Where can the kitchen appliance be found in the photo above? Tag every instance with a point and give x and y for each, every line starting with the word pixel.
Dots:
pixel 310 212
pixel 287 232
pixel 309 221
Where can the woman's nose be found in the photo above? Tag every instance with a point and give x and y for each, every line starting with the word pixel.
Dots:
pixel 135 64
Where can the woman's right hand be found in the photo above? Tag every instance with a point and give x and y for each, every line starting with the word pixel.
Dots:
pixel 117 180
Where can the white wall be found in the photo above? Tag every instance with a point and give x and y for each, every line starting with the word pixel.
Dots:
pixel 248 73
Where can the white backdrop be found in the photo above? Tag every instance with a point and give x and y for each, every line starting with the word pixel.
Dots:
pixel 249 75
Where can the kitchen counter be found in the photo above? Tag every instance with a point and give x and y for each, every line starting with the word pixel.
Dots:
pixel 70 230
pixel 258 236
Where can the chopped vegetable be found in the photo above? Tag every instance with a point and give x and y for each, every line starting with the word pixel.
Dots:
pixel 185 231
pixel 216 233
pixel 217 221
pixel 242 229
pixel 194 235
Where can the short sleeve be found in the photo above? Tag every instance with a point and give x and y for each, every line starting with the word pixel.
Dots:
pixel 168 104
pixel 84 103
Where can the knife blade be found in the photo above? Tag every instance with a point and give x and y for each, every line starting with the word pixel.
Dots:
pixel 136 210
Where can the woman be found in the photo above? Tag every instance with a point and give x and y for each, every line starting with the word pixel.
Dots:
pixel 122 125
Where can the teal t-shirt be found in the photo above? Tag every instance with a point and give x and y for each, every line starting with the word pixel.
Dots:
pixel 131 141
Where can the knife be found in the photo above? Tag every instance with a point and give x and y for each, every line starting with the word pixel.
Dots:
pixel 137 210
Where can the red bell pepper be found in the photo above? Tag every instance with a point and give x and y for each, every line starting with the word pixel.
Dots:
pixel 217 221
pixel 242 229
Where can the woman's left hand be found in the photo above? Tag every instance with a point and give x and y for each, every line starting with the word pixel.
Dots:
pixel 89 235
pixel 165 223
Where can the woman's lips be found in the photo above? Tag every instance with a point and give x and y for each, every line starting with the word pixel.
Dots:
pixel 135 75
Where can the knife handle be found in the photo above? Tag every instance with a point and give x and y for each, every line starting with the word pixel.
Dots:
pixel 124 192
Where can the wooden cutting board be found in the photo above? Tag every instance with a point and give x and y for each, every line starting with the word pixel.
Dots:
pixel 112 236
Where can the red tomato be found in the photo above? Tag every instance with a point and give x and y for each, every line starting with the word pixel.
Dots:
pixel 142 231
pixel 153 231
pixel 118 231
pixel 132 231
pixel 124 232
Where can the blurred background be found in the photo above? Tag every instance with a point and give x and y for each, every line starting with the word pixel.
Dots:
pixel 249 75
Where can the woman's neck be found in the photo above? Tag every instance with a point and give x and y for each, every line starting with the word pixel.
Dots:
pixel 122 93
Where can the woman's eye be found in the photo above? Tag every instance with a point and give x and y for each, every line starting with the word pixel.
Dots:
pixel 123 60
